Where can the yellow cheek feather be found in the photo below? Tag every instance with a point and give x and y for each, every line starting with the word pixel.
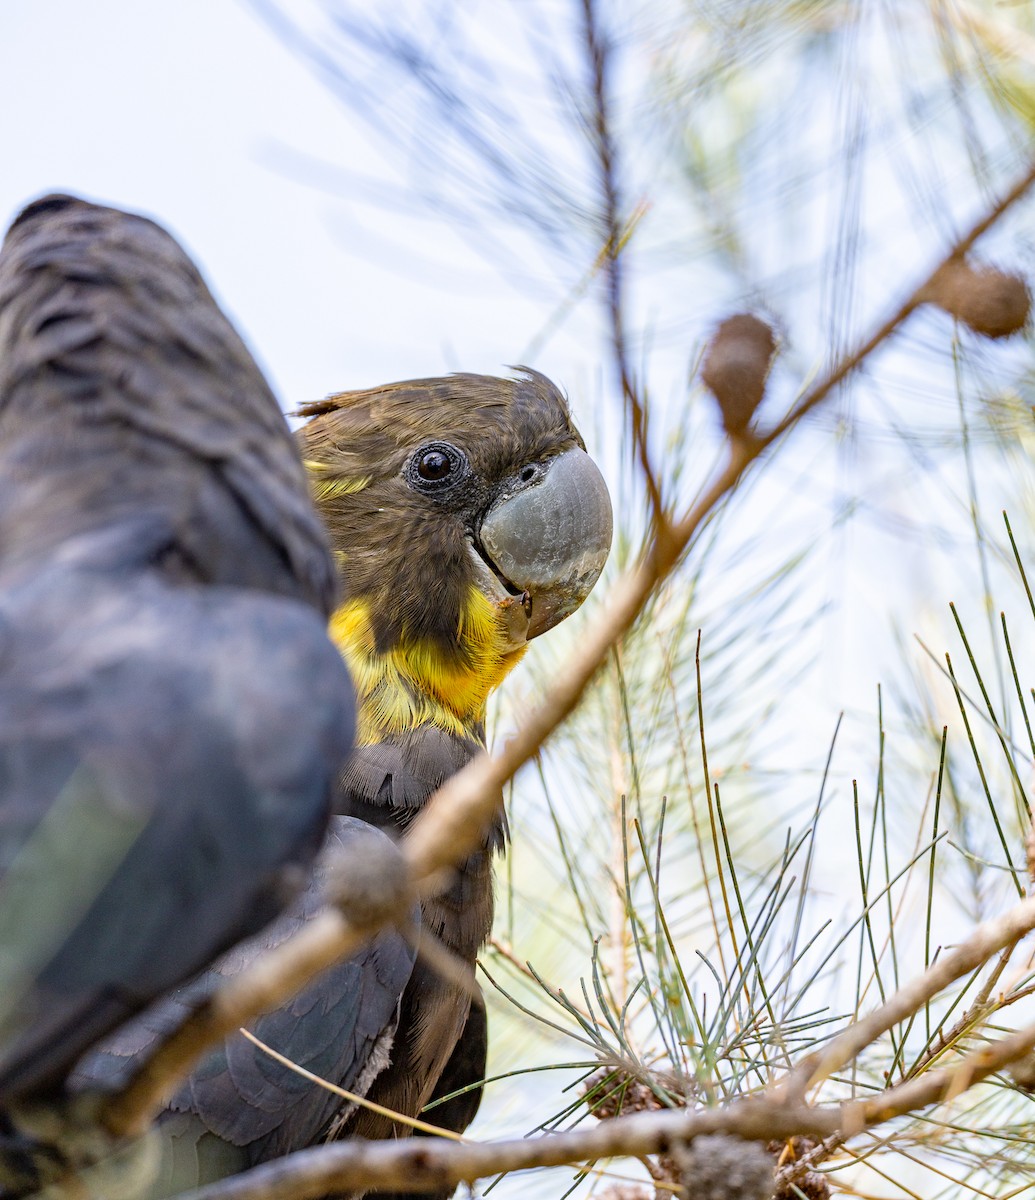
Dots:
pixel 411 684
pixel 324 486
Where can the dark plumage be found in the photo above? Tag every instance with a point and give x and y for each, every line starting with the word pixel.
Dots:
pixel 463 1074
pixel 124 390
pixel 172 714
pixel 433 1011
pixel 379 1024
pixel 241 1106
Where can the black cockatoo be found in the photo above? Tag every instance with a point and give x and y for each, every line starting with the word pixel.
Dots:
pixel 173 716
pixel 466 518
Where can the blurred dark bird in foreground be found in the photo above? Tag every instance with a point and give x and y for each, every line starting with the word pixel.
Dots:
pixel 334 1028
pixel 173 717
pixel 467 519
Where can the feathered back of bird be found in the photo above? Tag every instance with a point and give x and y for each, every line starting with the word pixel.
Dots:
pixel 118 373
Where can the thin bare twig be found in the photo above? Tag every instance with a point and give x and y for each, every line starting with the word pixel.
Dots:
pixel 599 53
pixel 979 1008
pixel 450 826
pixel 935 1087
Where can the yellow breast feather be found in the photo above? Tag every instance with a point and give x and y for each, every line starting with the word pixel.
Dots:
pixel 414 683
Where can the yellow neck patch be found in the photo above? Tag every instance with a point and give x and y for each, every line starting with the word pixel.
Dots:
pixel 412 684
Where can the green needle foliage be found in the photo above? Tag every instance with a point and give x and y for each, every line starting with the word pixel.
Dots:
pixel 696 952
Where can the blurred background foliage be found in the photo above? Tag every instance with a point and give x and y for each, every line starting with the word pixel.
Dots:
pixel 755 827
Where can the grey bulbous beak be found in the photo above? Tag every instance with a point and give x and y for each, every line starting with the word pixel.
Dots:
pixel 548 534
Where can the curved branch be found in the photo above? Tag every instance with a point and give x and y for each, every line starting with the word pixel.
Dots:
pixel 429 1164
pixel 451 825
pixel 432 1164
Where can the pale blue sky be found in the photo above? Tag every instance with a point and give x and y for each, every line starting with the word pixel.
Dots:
pixel 187 112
